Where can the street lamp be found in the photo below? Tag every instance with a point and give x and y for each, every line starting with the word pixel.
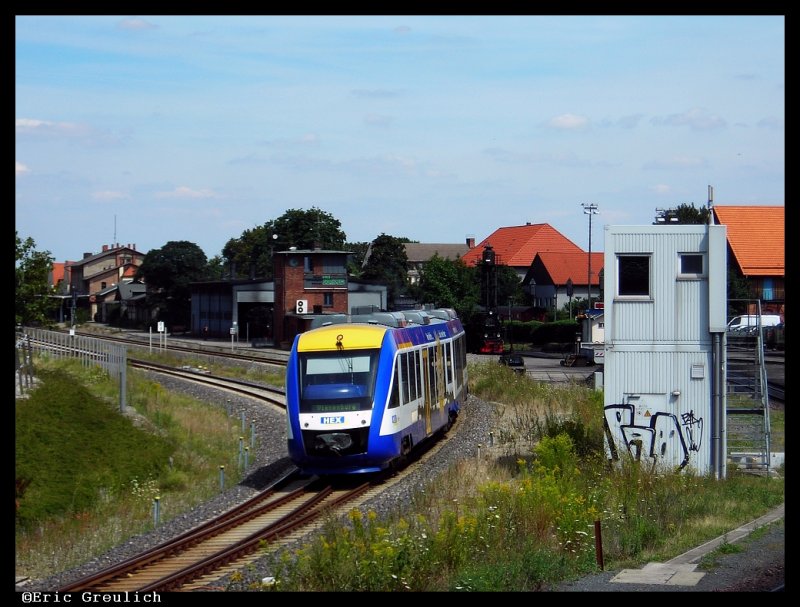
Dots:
pixel 589 209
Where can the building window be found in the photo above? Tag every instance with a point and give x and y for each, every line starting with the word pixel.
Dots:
pixel 633 275
pixel 102 285
pixel 327 300
pixel 691 264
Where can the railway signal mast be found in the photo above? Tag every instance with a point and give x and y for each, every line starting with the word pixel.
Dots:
pixel 589 209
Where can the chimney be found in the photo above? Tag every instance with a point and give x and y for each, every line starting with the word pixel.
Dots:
pixel 85 255
pixel 471 241
pixel 105 248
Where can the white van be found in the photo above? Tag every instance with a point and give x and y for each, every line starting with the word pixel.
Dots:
pixel 740 322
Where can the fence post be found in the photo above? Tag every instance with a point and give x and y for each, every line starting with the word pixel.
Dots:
pixel 156 501
pixel 598 545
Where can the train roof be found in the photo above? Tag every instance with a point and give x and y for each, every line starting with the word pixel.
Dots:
pixel 363 335
pixel 349 336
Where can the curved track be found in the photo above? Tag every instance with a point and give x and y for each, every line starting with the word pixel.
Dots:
pixel 227 542
pixel 270 394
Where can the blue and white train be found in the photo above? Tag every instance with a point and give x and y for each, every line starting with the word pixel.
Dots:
pixel 360 397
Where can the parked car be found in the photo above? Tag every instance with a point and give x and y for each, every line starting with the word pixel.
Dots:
pixel 740 323
pixel 515 361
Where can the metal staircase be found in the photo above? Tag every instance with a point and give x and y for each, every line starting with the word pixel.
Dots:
pixel 748 429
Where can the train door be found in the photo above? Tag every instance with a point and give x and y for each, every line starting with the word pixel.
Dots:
pixel 428 388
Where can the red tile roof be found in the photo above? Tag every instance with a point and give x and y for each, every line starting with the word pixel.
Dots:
pixel 562 266
pixel 516 246
pixel 58 272
pixel 756 237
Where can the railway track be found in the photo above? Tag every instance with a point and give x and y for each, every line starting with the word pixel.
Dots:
pixel 278 515
pixel 270 394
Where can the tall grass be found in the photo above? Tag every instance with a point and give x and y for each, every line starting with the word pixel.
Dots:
pixel 90 475
pixel 487 526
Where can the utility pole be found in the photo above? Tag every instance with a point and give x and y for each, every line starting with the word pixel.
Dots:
pixel 589 209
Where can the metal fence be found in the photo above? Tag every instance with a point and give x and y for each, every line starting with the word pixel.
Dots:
pixel 112 358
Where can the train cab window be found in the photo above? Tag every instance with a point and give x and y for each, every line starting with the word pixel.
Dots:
pixel 394 397
pixel 335 382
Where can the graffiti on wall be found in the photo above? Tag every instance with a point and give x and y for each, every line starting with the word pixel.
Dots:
pixel 661 438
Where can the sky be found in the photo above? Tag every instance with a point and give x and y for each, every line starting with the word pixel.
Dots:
pixel 146 129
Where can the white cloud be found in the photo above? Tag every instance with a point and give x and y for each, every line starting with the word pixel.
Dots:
pixel 107 195
pixel 186 192
pixel 661 189
pixel 568 122
pixel 21 169
pixel 677 162
pixel 770 123
pixel 697 119
pixel 377 120
pixel 135 24
pixel 46 127
pixel 630 121
pixel 376 93
pixel 82 134
pixel 307 139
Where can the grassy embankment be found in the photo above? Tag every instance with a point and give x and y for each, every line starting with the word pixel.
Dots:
pixel 88 477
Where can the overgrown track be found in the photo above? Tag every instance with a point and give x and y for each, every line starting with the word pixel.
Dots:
pixel 270 394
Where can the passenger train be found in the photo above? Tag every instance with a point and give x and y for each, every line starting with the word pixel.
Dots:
pixel 361 396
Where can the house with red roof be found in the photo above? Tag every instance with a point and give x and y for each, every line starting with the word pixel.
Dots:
pixel 516 246
pixel 544 260
pixel 756 251
pixel 92 282
pixel 551 275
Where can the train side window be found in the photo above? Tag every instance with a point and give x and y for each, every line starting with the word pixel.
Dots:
pixel 406 379
pixel 412 376
pixel 448 358
pixel 418 365
pixel 394 397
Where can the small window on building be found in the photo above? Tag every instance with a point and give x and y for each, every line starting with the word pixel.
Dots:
pixel 633 276
pixel 102 285
pixel 691 264
pixel 327 300
pixel 308 264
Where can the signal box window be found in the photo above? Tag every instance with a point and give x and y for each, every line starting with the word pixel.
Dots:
pixel 633 275
pixel 691 264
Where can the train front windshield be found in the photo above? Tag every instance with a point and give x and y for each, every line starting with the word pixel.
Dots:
pixel 337 381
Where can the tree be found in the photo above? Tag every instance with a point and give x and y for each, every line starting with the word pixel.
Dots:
pixel 684 213
pixel 450 283
pixel 251 253
pixel 216 268
pixel 168 272
pixel 508 286
pixel 32 269
pixel 387 262
pixel 355 263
